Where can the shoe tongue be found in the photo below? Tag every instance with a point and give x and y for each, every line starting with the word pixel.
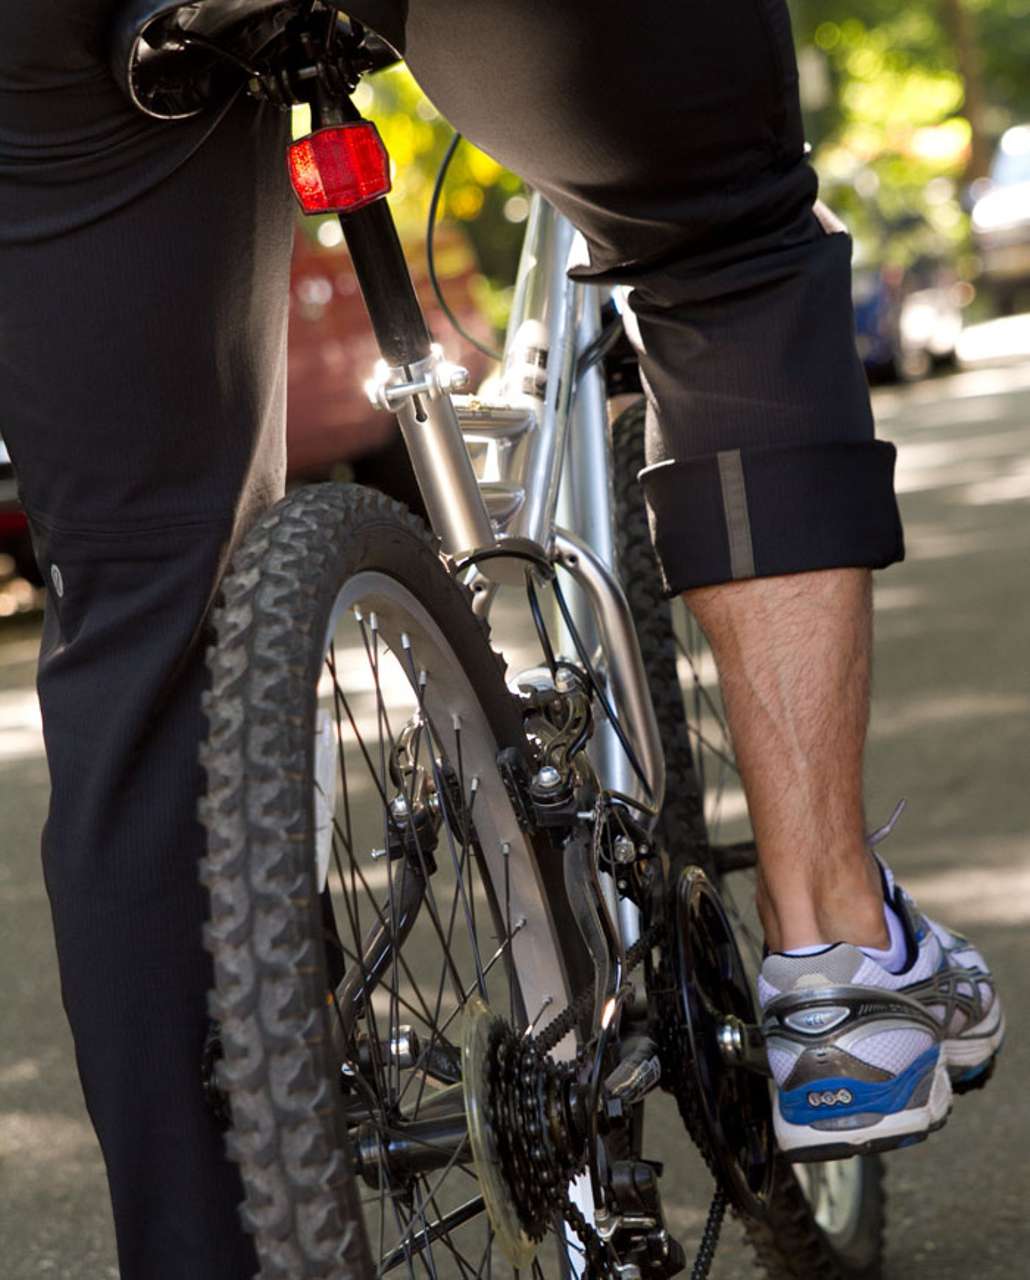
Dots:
pixel 887 876
pixel 900 906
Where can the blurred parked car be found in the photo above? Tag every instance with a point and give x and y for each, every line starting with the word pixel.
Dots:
pixel 907 318
pixel 1001 219
pixel 332 351
pixel 14 527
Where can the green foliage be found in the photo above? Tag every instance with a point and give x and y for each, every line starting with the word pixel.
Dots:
pixel 887 109
pixel 1003 28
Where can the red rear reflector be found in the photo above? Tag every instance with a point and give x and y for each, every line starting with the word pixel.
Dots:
pixel 340 168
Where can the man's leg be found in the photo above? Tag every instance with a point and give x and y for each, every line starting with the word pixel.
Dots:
pixel 793 656
pixel 143 309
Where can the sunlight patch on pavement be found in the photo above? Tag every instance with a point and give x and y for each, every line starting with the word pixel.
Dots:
pixel 14 652
pixel 956 386
pixel 960 415
pixel 24 1071
pixel 354 674
pixel 21 726
pixel 40 1138
pixel 939 464
pixel 977 894
pixel 887 597
pixel 925 713
pixel 701 665
pixel 730 805
pixel 1013 486
pixel 941 542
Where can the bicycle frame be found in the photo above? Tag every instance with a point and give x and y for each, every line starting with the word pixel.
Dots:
pixel 504 518
pixel 528 474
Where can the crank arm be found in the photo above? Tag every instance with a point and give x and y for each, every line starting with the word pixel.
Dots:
pixel 599 932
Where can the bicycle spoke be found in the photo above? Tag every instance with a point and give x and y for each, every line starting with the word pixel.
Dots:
pixel 457 1217
pixel 419 1226
pixel 447 1226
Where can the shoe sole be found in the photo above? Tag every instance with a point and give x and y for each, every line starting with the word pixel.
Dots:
pixel 800 1143
pixel 977 1046
pixel 971 1059
pixel 966 1063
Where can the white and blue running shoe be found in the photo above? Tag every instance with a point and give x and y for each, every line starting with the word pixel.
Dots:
pixel 866 1060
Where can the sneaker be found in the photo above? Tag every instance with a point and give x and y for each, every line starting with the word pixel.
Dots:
pixel 866 1060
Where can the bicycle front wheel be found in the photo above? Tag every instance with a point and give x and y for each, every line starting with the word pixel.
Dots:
pixel 369 883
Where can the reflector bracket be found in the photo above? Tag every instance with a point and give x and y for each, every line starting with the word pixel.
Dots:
pixel 340 168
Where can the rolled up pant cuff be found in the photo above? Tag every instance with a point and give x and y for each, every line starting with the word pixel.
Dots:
pixel 756 513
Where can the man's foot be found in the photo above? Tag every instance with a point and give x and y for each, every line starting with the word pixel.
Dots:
pixel 865 1059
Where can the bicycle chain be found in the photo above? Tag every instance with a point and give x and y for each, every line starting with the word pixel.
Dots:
pixel 559 1027
pixel 598 1255
pixel 671 1050
pixel 599 1263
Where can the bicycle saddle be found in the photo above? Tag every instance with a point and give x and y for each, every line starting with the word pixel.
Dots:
pixel 159 58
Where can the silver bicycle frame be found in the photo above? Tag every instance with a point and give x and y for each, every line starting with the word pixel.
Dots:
pixel 540 485
pixel 540 443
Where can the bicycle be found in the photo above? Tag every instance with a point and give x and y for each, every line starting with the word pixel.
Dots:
pixel 465 928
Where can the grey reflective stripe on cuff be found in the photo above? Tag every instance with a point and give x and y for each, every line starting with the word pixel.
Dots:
pixel 799 508
pixel 738 522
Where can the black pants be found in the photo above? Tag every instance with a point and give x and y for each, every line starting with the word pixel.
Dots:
pixel 143 298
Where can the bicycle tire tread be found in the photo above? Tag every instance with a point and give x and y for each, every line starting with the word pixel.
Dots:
pixel 295 1178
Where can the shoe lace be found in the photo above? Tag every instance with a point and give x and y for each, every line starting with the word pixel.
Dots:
pixel 881 833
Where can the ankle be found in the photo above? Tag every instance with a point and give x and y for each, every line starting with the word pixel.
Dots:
pixel 842 903
pixel 859 921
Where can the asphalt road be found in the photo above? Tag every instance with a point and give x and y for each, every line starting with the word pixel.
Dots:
pixel 950 732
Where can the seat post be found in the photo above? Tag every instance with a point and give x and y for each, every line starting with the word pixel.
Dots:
pixel 375 249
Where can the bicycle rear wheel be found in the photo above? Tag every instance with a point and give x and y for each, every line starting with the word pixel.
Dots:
pixel 369 883
pixel 823 1220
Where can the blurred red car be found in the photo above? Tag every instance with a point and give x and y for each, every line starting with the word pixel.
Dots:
pixel 14 528
pixel 332 351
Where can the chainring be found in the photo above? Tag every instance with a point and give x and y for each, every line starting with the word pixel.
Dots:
pixel 727 1108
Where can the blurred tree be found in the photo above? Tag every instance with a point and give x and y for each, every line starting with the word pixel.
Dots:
pixel 983 45
pixel 903 104
pixel 961 24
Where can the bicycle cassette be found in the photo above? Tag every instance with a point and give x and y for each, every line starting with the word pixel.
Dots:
pixel 525 1150
pixel 725 1105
